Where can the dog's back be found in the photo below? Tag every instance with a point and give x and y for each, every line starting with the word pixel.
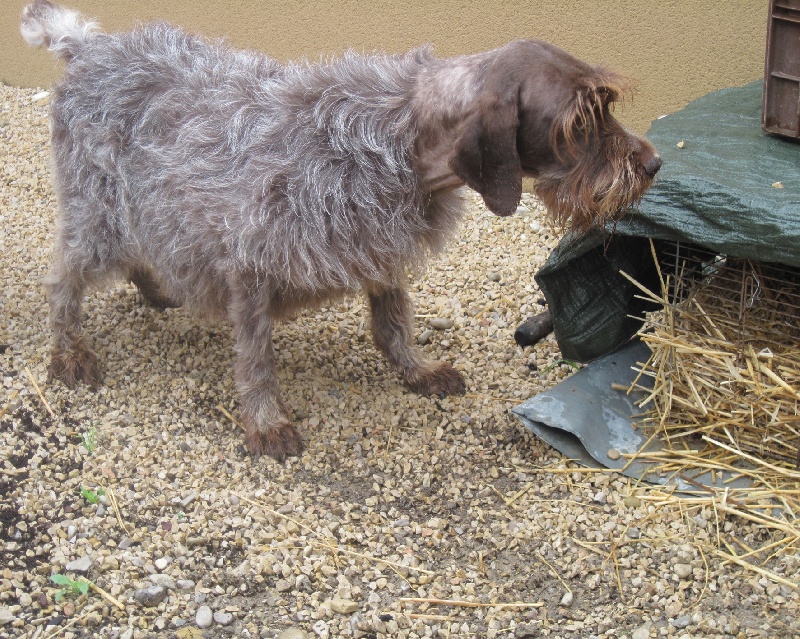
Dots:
pixel 199 159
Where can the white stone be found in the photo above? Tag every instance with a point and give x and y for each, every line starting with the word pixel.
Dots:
pixel 5 616
pixel 165 581
pixel 441 323
pixel 161 563
pixel 683 571
pixel 223 618
pixel 204 617
pixel 80 565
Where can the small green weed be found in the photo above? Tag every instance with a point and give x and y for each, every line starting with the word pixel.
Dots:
pixel 70 587
pixel 92 496
pixel 88 439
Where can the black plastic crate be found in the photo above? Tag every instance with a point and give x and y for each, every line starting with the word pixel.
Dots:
pixel 781 114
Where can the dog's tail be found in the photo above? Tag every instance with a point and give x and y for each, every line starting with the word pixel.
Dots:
pixel 63 31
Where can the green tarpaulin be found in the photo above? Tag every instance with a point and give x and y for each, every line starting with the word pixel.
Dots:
pixel 725 185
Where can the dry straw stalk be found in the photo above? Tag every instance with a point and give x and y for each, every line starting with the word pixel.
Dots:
pixel 725 397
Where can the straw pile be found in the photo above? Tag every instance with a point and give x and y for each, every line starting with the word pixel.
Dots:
pixel 725 366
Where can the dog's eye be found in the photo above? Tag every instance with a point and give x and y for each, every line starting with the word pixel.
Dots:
pixel 606 95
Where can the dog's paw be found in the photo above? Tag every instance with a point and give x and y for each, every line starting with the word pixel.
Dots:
pixel 441 379
pixel 77 366
pixel 279 442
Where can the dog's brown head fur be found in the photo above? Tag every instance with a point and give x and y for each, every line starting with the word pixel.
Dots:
pixel 542 113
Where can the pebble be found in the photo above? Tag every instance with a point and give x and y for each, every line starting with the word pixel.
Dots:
pixel 683 571
pixel 185 584
pixel 613 454
pixel 632 502
pixel 5 616
pixel 493 276
pixel 150 596
pixel 441 323
pixel 293 633
pixel 642 632
pixel 80 565
pixel 165 581
pixel 633 533
pixel 161 563
pixel 343 606
pixel 204 617
pixel 13 405
pixel 223 618
pixel 189 499
pixel 566 600
pixel 321 629
pixel 283 585
pixel 682 622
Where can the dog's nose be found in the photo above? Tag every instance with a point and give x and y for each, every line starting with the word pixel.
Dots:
pixel 652 165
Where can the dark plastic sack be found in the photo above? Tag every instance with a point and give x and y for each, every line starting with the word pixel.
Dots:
pixel 593 307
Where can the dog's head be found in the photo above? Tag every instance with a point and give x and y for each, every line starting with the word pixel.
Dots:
pixel 541 113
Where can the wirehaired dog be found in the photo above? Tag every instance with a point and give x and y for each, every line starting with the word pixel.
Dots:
pixel 233 185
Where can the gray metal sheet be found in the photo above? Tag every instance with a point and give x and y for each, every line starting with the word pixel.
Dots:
pixel 583 417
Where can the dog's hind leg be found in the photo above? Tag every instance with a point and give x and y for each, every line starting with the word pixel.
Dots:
pixel 150 289
pixel 72 361
pixel 268 429
pixel 392 330
pixel 87 254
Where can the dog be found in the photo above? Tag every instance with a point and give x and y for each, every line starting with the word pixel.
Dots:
pixel 235 186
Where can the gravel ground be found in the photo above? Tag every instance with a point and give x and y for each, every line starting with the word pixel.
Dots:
pixel 398 497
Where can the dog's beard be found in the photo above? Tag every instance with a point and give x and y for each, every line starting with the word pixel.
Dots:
pixel 588 195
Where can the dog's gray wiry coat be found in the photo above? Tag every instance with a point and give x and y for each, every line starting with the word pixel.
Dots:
pixel 225 182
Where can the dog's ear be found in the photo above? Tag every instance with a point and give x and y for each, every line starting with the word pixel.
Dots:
pixel 587 111
pixel 485 155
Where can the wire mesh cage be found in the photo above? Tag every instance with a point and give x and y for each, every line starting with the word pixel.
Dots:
pixel 726 354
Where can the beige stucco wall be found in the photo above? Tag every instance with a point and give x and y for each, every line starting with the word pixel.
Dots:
pixel 676 49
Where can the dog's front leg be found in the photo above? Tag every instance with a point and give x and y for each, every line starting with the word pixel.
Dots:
pixel 393 331
pixel 268 429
